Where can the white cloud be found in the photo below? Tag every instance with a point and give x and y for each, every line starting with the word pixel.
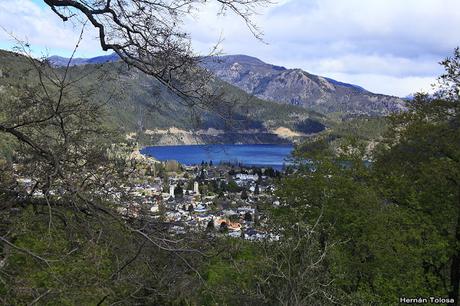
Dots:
pixel 384 84
pixel 388 46
pixel 396 42
pixel 38 26
pixel 383 26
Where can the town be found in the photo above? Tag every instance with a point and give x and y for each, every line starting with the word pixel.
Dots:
pixel 223 199
pixel 227 199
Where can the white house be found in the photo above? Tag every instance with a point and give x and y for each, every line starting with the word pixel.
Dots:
pixel 171 190
pixel 247 177
pixel 196 189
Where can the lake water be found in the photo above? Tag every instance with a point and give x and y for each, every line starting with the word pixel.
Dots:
pixel 258 155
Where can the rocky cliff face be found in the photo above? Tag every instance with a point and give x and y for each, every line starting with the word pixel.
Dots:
pixel 288 86
pixel 297 87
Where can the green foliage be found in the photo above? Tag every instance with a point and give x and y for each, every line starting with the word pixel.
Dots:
pixel 231 276
pixel 136 103
pixel 7 147
pixel 76 269
pixel 420 173
pixel 309 126
pixel 380 248
pixel 179 192
pixel 232 186
pixel 364 127
pixel 351 232
pixel 244 195
pixel 396 221
pixel 72 259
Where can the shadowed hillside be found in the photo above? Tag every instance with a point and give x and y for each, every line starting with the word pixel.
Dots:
pixel 146 110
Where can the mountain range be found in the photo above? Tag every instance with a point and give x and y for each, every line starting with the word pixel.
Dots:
pixel 145 110
pixel 298 87
pixel 282 85
pixel 59 61
pixel 272 104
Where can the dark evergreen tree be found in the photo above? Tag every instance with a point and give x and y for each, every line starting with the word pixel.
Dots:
pixel 244 195
pixel 248 217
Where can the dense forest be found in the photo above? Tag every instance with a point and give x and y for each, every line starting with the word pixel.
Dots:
pixel 352 232
pixel 358 224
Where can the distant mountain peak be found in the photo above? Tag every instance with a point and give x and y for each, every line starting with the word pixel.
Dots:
pixel 298 87
pixel 345 84
pixel 278 84
pixel 58 61
pixel 236 58
pixel 241 59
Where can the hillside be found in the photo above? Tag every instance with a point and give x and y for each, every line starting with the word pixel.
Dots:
pixel 58 61
pixel 146 111
pixel 297 87
pixel 286 86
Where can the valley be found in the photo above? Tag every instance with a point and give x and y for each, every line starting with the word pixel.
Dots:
pixel 272 104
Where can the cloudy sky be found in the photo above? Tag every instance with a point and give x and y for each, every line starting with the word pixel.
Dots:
pixel 386 46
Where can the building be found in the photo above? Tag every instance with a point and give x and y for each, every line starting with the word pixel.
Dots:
pixel 196 188
pixel 247 177
pixel 171 190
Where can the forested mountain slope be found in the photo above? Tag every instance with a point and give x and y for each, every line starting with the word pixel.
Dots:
pixel 145 109
pixel 289 86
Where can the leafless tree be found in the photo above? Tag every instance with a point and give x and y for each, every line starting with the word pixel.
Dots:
pixel 68 162
pixel 59 127
pixel 63 146
pixel 297 267
pixel 148 35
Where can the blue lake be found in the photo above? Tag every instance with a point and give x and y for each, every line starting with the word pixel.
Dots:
pixel 258 155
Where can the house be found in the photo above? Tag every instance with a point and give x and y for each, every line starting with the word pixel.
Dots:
pixel 203 217
pixel 246 177
pixel 178 230
pixel 244 209
pixel 173 216
pixel 252 234
pixel 200 208
pixel 235 234
pixel 229 212
pixel 232 226
pixel 155 208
